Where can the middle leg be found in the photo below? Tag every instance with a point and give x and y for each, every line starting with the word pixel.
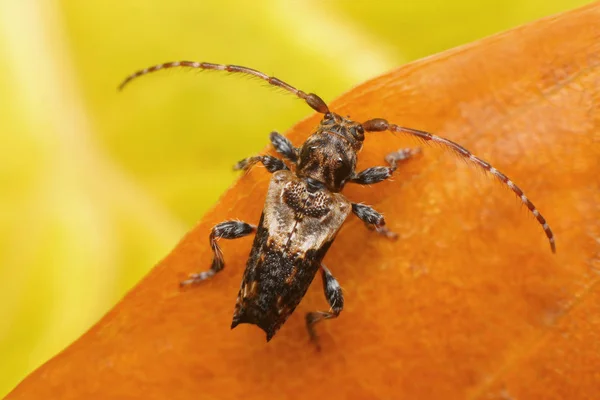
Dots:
pixel 224 230
pixel 373 220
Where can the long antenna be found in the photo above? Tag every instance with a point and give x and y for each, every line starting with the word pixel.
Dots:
pixel 380 124
pixel 311 99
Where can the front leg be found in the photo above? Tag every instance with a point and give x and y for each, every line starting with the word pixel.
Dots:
pixel 284 147
pixel 378 174
pixel 272 164
pixel 335 299
pixel 372 219
pixel 225 230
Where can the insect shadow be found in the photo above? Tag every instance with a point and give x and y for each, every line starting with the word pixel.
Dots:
pixel 304 208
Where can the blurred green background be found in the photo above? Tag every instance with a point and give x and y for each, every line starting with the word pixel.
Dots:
pixel 98 186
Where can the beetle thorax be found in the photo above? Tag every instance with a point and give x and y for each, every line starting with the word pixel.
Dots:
pixel 327 159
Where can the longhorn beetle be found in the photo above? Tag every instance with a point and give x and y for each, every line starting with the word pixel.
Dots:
pixel 304 208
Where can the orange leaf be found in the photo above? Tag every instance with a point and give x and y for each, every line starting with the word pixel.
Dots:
pixel 468 303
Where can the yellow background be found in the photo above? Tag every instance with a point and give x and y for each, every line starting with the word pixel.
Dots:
pixel 97 185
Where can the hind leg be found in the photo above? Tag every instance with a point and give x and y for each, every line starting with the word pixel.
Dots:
pixel 335 298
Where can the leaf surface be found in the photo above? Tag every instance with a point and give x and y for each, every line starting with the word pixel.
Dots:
pixel 468 303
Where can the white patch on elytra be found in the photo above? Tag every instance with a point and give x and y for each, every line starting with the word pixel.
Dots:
pixel 307 233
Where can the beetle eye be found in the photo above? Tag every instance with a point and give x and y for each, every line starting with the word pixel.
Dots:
pixel 343 170
pixel 359 132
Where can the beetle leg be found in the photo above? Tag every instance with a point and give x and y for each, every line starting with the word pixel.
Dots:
pixel 284 147
pixel 335 298
pixel 372 219
pixel 272 164
pixel 378 174
pixel 225 230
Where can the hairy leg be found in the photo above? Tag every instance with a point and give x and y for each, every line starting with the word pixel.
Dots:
pixel 224 230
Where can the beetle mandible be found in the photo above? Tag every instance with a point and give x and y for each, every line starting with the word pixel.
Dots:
pixel 304 208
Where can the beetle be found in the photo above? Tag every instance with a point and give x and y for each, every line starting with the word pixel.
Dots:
pixel 304 208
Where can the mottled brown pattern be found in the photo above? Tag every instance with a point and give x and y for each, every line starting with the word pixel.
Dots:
pixel 315 205
pixel 289 246
pixel 304 209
